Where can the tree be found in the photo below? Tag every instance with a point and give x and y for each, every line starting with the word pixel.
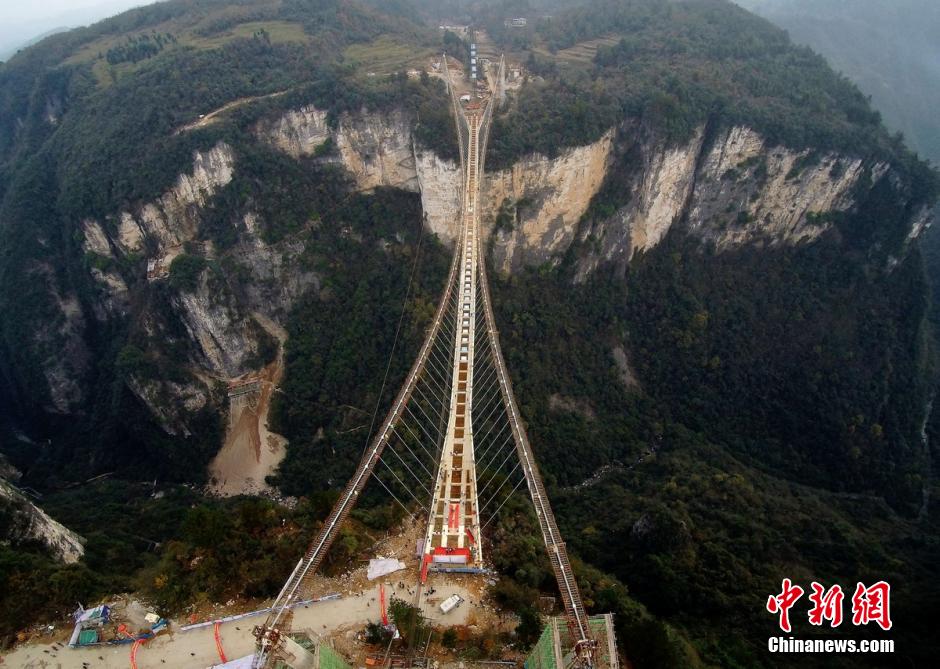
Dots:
pixel 449 638
pixel 185 271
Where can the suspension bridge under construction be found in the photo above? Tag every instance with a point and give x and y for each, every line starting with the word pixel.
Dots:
pixel 453 443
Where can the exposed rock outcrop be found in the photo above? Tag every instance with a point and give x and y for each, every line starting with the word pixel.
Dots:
pixel 225 338
pixel 60 343
pixel 170 403
pixel 23 521
pixel 173 218
pixel 624 369
pixel 729 190
pixel 732 190
pixel 550 197
pixel 276 277
pixel 222 337
pixel 439 181
pixel 772 191
pixel 162 226
pixel 376 150
pixel 299 132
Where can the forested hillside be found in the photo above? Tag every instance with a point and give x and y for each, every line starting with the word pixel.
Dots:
pixel 710 415
pixel 890 51
pixel 888 48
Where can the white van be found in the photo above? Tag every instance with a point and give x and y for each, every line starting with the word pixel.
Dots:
pixel 451 603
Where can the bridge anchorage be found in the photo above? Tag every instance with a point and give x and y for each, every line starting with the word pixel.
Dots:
pixel 454 441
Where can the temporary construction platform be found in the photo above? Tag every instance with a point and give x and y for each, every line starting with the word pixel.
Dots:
pixel 555 648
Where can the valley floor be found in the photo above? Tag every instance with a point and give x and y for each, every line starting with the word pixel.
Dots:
pixel 251 451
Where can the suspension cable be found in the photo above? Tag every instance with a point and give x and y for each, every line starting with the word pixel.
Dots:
pixel 382 460
pixel 401 320
pixel 500 507
pixel 382 483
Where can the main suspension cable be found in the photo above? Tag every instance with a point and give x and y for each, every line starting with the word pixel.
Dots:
pixel 401 320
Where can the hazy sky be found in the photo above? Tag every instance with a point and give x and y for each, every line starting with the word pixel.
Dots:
pixel 22 20
pixel 23 12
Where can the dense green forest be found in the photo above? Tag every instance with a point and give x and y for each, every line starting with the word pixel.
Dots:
pixel 339 339
pixel 677 66
pixel 702 528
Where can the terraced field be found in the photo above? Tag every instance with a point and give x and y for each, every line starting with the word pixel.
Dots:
pixel 186 33
pixel 279 32
pixel 579 55
pixel 386 55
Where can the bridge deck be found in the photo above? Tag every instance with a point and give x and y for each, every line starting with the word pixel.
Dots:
pixel 454 521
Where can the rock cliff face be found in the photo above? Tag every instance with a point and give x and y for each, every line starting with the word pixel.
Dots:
pixel 440 184
pixel 225 337
pixel 156 229
pixel 66 358
pixel 25 522
pixel 222 338
pixel 173 218
pixel 376 150
pixel 299 132
pixel 778 190
pixel 728 188
pixel 547 199
pixel 732 190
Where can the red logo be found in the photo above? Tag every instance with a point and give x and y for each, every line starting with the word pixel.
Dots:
pixel 782 603
pixel 827 605
pixel 872 605
pixel 869 604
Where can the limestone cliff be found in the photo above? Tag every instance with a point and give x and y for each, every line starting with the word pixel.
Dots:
pixel 23 522
pixel 173 218
pixel 136 247
pixel 376 150
pixel 300 132
pixel 547 198
pixel 440 184
pixel 729 189
pixel 225 338
pixel 379 150
pixel 156 229
pixel 60 341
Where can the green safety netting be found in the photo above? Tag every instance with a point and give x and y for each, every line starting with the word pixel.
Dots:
pixel 87 636
pixel 543 654
pixel 330 660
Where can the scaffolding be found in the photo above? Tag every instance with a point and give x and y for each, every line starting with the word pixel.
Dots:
pixel 542 655
pixel 328 659
pixel 554 649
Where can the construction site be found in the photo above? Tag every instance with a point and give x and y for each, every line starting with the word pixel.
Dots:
pixel 344 621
